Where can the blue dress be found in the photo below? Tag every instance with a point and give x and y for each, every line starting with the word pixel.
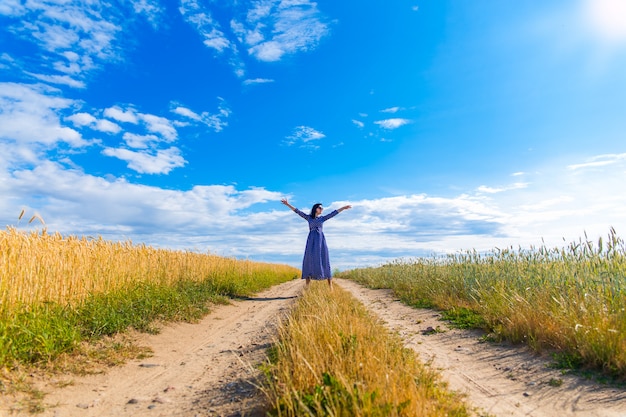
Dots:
pixel 315 264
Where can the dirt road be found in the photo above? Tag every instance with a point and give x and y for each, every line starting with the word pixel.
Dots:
pixel 202 369
pixel 207 369
pixel 501 379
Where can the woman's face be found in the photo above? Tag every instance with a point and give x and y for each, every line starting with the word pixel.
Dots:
pixel 319 210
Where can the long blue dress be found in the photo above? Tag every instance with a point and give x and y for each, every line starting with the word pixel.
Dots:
pixel 315 264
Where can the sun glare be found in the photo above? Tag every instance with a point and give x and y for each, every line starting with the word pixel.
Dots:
pixel 607 18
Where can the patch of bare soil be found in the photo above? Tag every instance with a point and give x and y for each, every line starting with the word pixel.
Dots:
pixel 203 369
pixel 501 379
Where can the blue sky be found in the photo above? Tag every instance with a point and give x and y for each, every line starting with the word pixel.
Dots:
pixel 448 125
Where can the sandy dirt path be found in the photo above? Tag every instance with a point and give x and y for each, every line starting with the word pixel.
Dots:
pixel 500 379
pixel 208 368
pixel 202 369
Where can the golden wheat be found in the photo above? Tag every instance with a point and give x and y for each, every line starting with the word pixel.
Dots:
pixel 48 267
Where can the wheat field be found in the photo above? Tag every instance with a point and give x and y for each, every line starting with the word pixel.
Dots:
pixel 569 300
pixel 41 267
pixel 57 291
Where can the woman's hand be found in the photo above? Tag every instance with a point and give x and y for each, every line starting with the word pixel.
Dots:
pixel 285 202
pixel 345 208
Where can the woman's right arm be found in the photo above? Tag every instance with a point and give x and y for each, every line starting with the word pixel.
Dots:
pixel 285 202
pixel 298 212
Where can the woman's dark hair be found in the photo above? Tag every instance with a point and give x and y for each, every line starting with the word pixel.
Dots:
pixel 314 209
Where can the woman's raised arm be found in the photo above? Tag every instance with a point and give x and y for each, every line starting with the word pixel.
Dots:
pixel 285 202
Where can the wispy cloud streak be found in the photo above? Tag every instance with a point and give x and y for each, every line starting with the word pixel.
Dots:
pixel 393 123
pixel 304 136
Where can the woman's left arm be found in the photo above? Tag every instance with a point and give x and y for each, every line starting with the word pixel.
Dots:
pixel 335 212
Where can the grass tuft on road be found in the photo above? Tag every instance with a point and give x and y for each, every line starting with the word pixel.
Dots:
pixel 333 358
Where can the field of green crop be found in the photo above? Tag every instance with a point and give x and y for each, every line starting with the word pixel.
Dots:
pixel 569 300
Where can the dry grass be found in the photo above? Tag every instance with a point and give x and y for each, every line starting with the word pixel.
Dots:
pixel 334 359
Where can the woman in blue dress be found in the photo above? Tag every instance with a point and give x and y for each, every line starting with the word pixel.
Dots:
pixel 315 264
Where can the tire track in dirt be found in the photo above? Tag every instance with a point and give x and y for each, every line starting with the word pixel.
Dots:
pixel 501 379
pixel 202 369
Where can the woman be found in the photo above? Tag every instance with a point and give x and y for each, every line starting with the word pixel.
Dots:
pixel 315 264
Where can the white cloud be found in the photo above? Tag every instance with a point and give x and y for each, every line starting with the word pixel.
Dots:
pixel 136 141
pixel 152 123
pixel 159 125
pixel 107 126
pixel 391 110
pixel 268 51
pixel 215 39
pixel 547 203
pixel 117 113
pixel 216 121
pixel 74 37
pixel 206 217
pixel 150 9
pixel 85 119
pixel 243 35
pixel 6 61
pixel 599 161
pixel 260 10
pixel 303 135
pixel 13 8
pixel 145 134
pixel 558 203
pixel 494 190
pixel 358 123
pixel 201 19
pixel 414 221
pixel 185 112
pixel 238 67
pixel 82 119
pixel 145 162
pixel 257 81
pixel 393 123
pixel 29 114
pixel 267 29
pixel 58 79
pixel 288 26
pixel 17 154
